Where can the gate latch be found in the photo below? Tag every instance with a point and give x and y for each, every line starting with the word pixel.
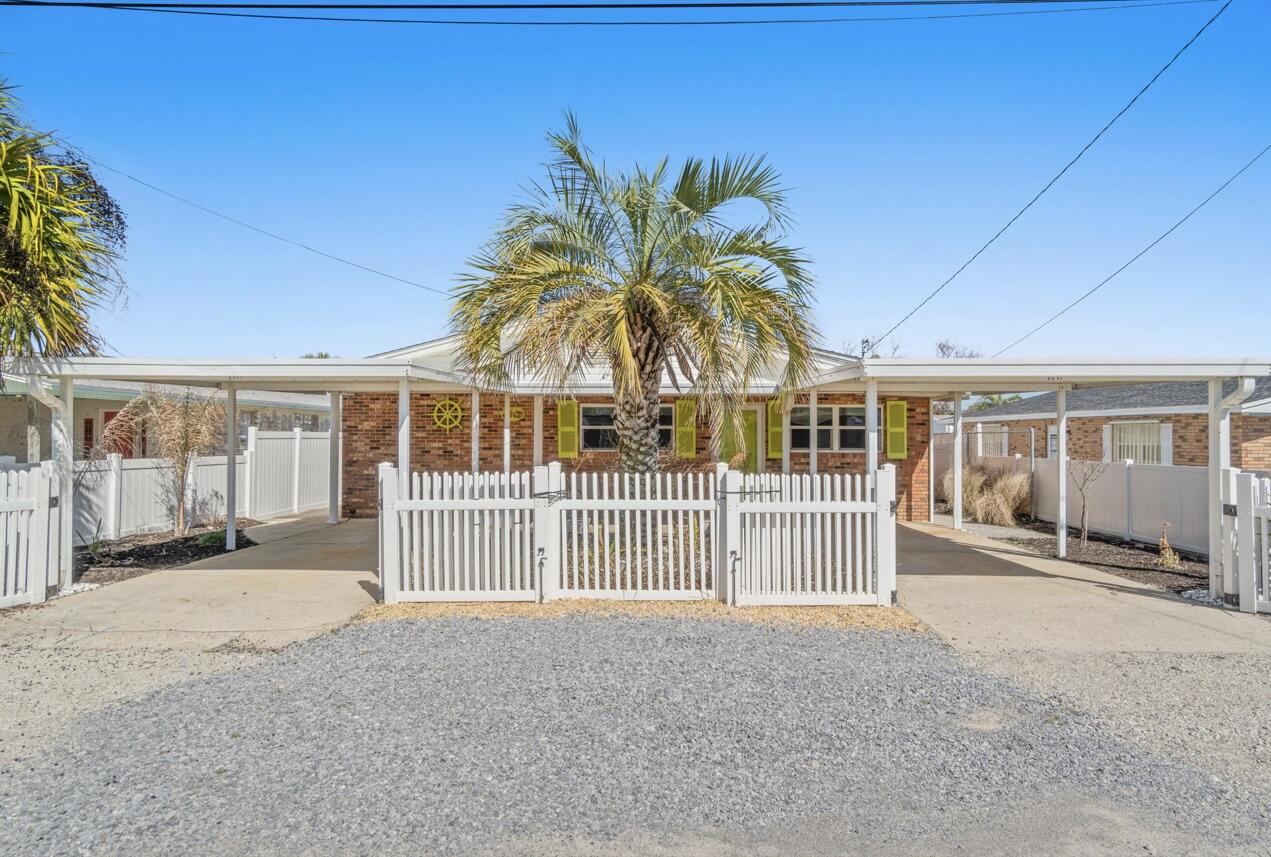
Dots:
pixel 892 506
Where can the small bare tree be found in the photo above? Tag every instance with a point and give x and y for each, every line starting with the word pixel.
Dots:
pixel 180 426
pixel 1084 475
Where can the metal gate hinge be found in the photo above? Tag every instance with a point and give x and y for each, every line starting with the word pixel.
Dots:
pixel 892 506
pixel 54 502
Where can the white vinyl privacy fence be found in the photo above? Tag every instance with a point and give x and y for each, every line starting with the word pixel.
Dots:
pixel 1248 544
pixel 29 534
pixel 280 473
pixel 742 539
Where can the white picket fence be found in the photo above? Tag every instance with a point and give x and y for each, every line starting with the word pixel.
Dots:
pixel 29 534
pixel 279 473
pixel 1249 543
pixel 540 536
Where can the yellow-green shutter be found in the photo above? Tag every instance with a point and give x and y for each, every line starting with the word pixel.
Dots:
pixel 776 422
pixel 567 428
pixel 685 428
pixel 897 430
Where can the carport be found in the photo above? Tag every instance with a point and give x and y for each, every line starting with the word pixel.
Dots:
pixel 1230 381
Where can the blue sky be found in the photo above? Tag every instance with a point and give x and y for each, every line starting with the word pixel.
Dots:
pixel 905 145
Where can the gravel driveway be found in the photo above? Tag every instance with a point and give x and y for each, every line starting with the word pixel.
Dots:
pixel 613 735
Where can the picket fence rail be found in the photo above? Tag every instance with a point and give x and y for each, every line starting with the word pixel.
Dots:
pixel 29 534
pixel 1249 543
pixel 542 535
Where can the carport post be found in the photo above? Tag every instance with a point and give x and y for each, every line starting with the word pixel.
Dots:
pixel 476 432
pixel 812 432
pixel 956 499
pixel 403 435
pixel 507 433
pixel 231 467
pixel 63 443
pixel 1061 475
pixel 871 426
pixel 1219 428
pixel 333 468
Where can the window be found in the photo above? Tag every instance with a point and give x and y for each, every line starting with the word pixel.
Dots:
pixel 1139 442
pixel 1052 441
pixel 840 428
pixel 599 434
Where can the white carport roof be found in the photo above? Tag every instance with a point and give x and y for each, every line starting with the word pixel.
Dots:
pixel 915 377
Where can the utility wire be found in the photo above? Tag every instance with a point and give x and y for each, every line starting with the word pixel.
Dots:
pixel 1139 254
pixel 627 23
pixel 1058 175
pixel 540 6
pixel 265 232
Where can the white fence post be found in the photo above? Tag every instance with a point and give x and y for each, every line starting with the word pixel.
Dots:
pixel 1227 498
pixel 728 534
pixel 885 524
pixel 1246 559
pixel 38 565
pixel 546 485
pixel 249 473
pixel 114 495
pixel 1129 499
pixel 390 535
pixel 297 438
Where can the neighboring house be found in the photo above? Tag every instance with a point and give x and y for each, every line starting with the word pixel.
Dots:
pixel 1146 423
pixel 577 429
pixel 24 421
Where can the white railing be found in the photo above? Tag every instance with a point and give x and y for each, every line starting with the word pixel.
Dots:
pixel 280 473
pixel 540 536
pixel 28 534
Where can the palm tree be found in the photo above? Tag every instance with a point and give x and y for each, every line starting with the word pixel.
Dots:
pixel 59 235
pixel 643 273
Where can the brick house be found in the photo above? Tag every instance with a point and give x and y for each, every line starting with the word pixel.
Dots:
pixel 576 429
pixel 1164 423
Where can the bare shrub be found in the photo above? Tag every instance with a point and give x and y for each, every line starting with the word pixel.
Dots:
pixel 179 427
pixel 992 495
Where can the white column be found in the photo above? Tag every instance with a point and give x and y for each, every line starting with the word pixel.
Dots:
pixel 476 432
pixel 63 443
pixel 403 433
pixel 813 432
pixel 231 467
pixel 931 462
pixel 979 441
pixel 334 462
pixel 871 426
pixel 956 499
pixel 507 433
pixel 538 430
pixel 1061 474
pixel 1218 429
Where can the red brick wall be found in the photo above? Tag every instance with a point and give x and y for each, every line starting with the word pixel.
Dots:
pixel 1250 438
pixel 369 423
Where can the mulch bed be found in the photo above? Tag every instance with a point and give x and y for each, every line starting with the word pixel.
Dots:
pixel 111 562
pixel 1130 560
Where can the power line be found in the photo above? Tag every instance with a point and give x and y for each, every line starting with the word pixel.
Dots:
pixel 626 23
pixel 265 232
pixel 540 6
pixel 1139 254
pixel 1058 175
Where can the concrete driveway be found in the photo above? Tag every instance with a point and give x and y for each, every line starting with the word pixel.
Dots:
pixel 1176 677
pixel 78 655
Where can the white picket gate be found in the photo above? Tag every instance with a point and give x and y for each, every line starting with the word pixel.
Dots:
pixel 29 535
pixel 539 536
pixel 823 539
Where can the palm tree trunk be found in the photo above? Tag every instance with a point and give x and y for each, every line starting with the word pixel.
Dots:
pixel 635 413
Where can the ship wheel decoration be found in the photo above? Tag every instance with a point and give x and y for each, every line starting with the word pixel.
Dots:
pixel 447 414
pixel 516 413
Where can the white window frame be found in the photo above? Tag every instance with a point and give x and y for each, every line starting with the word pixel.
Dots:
pixel 666 429
pixel 1121 451
pixel 1052 441
pixel 835 428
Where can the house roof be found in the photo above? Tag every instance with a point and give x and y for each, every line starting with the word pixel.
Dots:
pixel 125 390
pixel 1161 398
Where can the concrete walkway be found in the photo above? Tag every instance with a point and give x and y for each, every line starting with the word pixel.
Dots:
pixel 982 595
pixel 303 578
